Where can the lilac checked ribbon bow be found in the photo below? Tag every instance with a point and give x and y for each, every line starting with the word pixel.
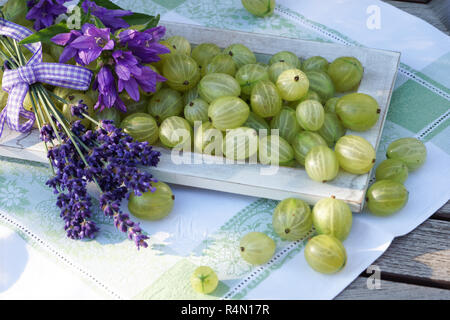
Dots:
pixel 17 81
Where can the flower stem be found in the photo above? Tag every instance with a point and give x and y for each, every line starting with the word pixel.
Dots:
pixel 42 106
pixel 9 50
pixel 54 95
pixel 19 52
pixel 91 119
pixel 40 128
pixel 69 133
pixel 66 102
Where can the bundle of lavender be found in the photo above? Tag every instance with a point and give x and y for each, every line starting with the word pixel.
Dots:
pixel 82 148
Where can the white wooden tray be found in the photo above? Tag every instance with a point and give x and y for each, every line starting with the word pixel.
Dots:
pixel 380 70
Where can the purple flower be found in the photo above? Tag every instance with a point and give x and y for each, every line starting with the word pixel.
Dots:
pixel 47 134
pixel 131 75
pixel 92 43
pixel 127 69
pixel 77 110
pixel 108 97
pixel 144 45
pixel 110 18
pixel 86 46
pixel 44 12
pixel 122 69
pixel 65 39
pixel 148 79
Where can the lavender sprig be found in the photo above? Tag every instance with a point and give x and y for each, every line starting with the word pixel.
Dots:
pixel 111 160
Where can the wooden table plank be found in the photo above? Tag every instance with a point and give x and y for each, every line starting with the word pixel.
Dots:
pixel 443 213
pixel 421 257
pixel 416 266
pixel 391 291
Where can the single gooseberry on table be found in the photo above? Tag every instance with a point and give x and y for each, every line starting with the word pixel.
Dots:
pixel 260 8
pixel 392 169
pixel 257 248
pixel 332 217
pixel 411 151
pixel 386 197
pixel 292 219
pixel 204 280
pixel 154 205
pixel 325 254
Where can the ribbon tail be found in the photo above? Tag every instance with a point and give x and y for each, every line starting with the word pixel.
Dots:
pixel 2 120
pixel 14 109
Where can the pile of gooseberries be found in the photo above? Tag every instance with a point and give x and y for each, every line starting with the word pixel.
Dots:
pixel 227 103
pixel 239 104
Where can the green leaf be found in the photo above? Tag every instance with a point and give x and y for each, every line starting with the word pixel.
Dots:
pixel 85 16
pixel 140 18
pixel 45 35
pixel 153 22
pixel 98 23
pixel 135 18
pixel 107 4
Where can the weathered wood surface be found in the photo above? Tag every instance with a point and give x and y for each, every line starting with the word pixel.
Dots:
pixel 416 266
pixel 390 290
pixel 443 213
pixel 422 256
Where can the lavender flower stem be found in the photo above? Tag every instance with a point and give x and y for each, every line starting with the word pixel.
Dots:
pixel 52 123
pixel 90 119
pixel 6 58
pixel 33 104
pixel 68 132
pixel 19 52
pixel 32 98
pixel 66 102
pixel 38 112
pixel 61 116
pixel 58 97
pixel 13 64
pixel 9 49
pixel 58 118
